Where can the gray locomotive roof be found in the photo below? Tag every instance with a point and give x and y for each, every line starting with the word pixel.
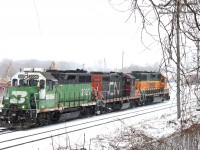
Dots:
pixel 129 75
pixel 48 76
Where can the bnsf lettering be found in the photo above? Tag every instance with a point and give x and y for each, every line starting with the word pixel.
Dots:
pixel 21 95
pixel 50 96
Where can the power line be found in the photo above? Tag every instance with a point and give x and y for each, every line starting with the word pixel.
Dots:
pixel 37 17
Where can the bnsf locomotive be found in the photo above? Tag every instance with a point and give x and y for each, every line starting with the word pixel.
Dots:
pixel 37 96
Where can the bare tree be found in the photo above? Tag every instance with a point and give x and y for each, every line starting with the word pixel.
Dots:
pixel 177 32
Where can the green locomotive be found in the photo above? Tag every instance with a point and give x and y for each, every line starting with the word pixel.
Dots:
pixel 40 97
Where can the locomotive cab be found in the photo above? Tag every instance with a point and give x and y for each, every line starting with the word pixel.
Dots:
pixel 152 86
pixel 21 103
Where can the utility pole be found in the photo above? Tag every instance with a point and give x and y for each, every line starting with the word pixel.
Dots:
pixel 198 59
pixel 179 5
pixel 197 76
pixel 178 77
pixel 178 59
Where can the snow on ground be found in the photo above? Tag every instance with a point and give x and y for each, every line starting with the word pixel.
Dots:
pixel 145 125
pixel 111 128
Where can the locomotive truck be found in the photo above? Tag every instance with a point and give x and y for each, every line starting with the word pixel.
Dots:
pixel 38 96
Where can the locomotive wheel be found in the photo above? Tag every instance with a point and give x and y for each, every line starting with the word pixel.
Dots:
pixel 131 104
pixel 90 110
pixel 83 112
pixel 41 119
pixel 167 97
pixel 135 103
pixel 48 118
pixel 151 99
pixel 141 103
pixel 55 116
pixel 87 111
pixel 146 101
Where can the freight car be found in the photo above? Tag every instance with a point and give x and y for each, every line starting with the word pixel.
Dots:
pixel 38 96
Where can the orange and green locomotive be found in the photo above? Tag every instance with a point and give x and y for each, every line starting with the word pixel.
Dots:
pixel 151 86
pixel 37 96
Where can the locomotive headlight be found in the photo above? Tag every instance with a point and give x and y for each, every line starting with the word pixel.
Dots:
pixel 23 106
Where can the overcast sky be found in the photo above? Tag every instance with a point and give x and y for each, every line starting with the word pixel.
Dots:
pixel 83 31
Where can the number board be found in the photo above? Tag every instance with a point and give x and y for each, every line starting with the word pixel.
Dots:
pixel 33 76
pixel 23 76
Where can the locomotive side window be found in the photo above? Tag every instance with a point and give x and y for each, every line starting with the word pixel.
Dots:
pixel 143 77
pixel 42 83
pixel 136 76
pixel 153 76
pixel 81 78
pixel 71 79
pixel 162 78
pixel 33 82
pixel 14 82
pixel 50 85
pixel 88 79
pixel 128 81
pixel 23 82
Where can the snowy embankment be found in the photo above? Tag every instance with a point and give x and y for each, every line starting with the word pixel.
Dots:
pixel 158 130
pixel 123 130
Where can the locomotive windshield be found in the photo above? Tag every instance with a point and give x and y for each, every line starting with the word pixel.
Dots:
pixel 28 79
pixel 25 82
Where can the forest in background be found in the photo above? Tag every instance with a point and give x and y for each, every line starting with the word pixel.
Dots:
pixel 64 65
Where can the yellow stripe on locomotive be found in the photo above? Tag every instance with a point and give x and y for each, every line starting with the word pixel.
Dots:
pixel 150 82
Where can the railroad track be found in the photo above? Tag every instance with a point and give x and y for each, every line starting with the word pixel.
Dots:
pixel 73 126
pixel 98 121
pixel 5 131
